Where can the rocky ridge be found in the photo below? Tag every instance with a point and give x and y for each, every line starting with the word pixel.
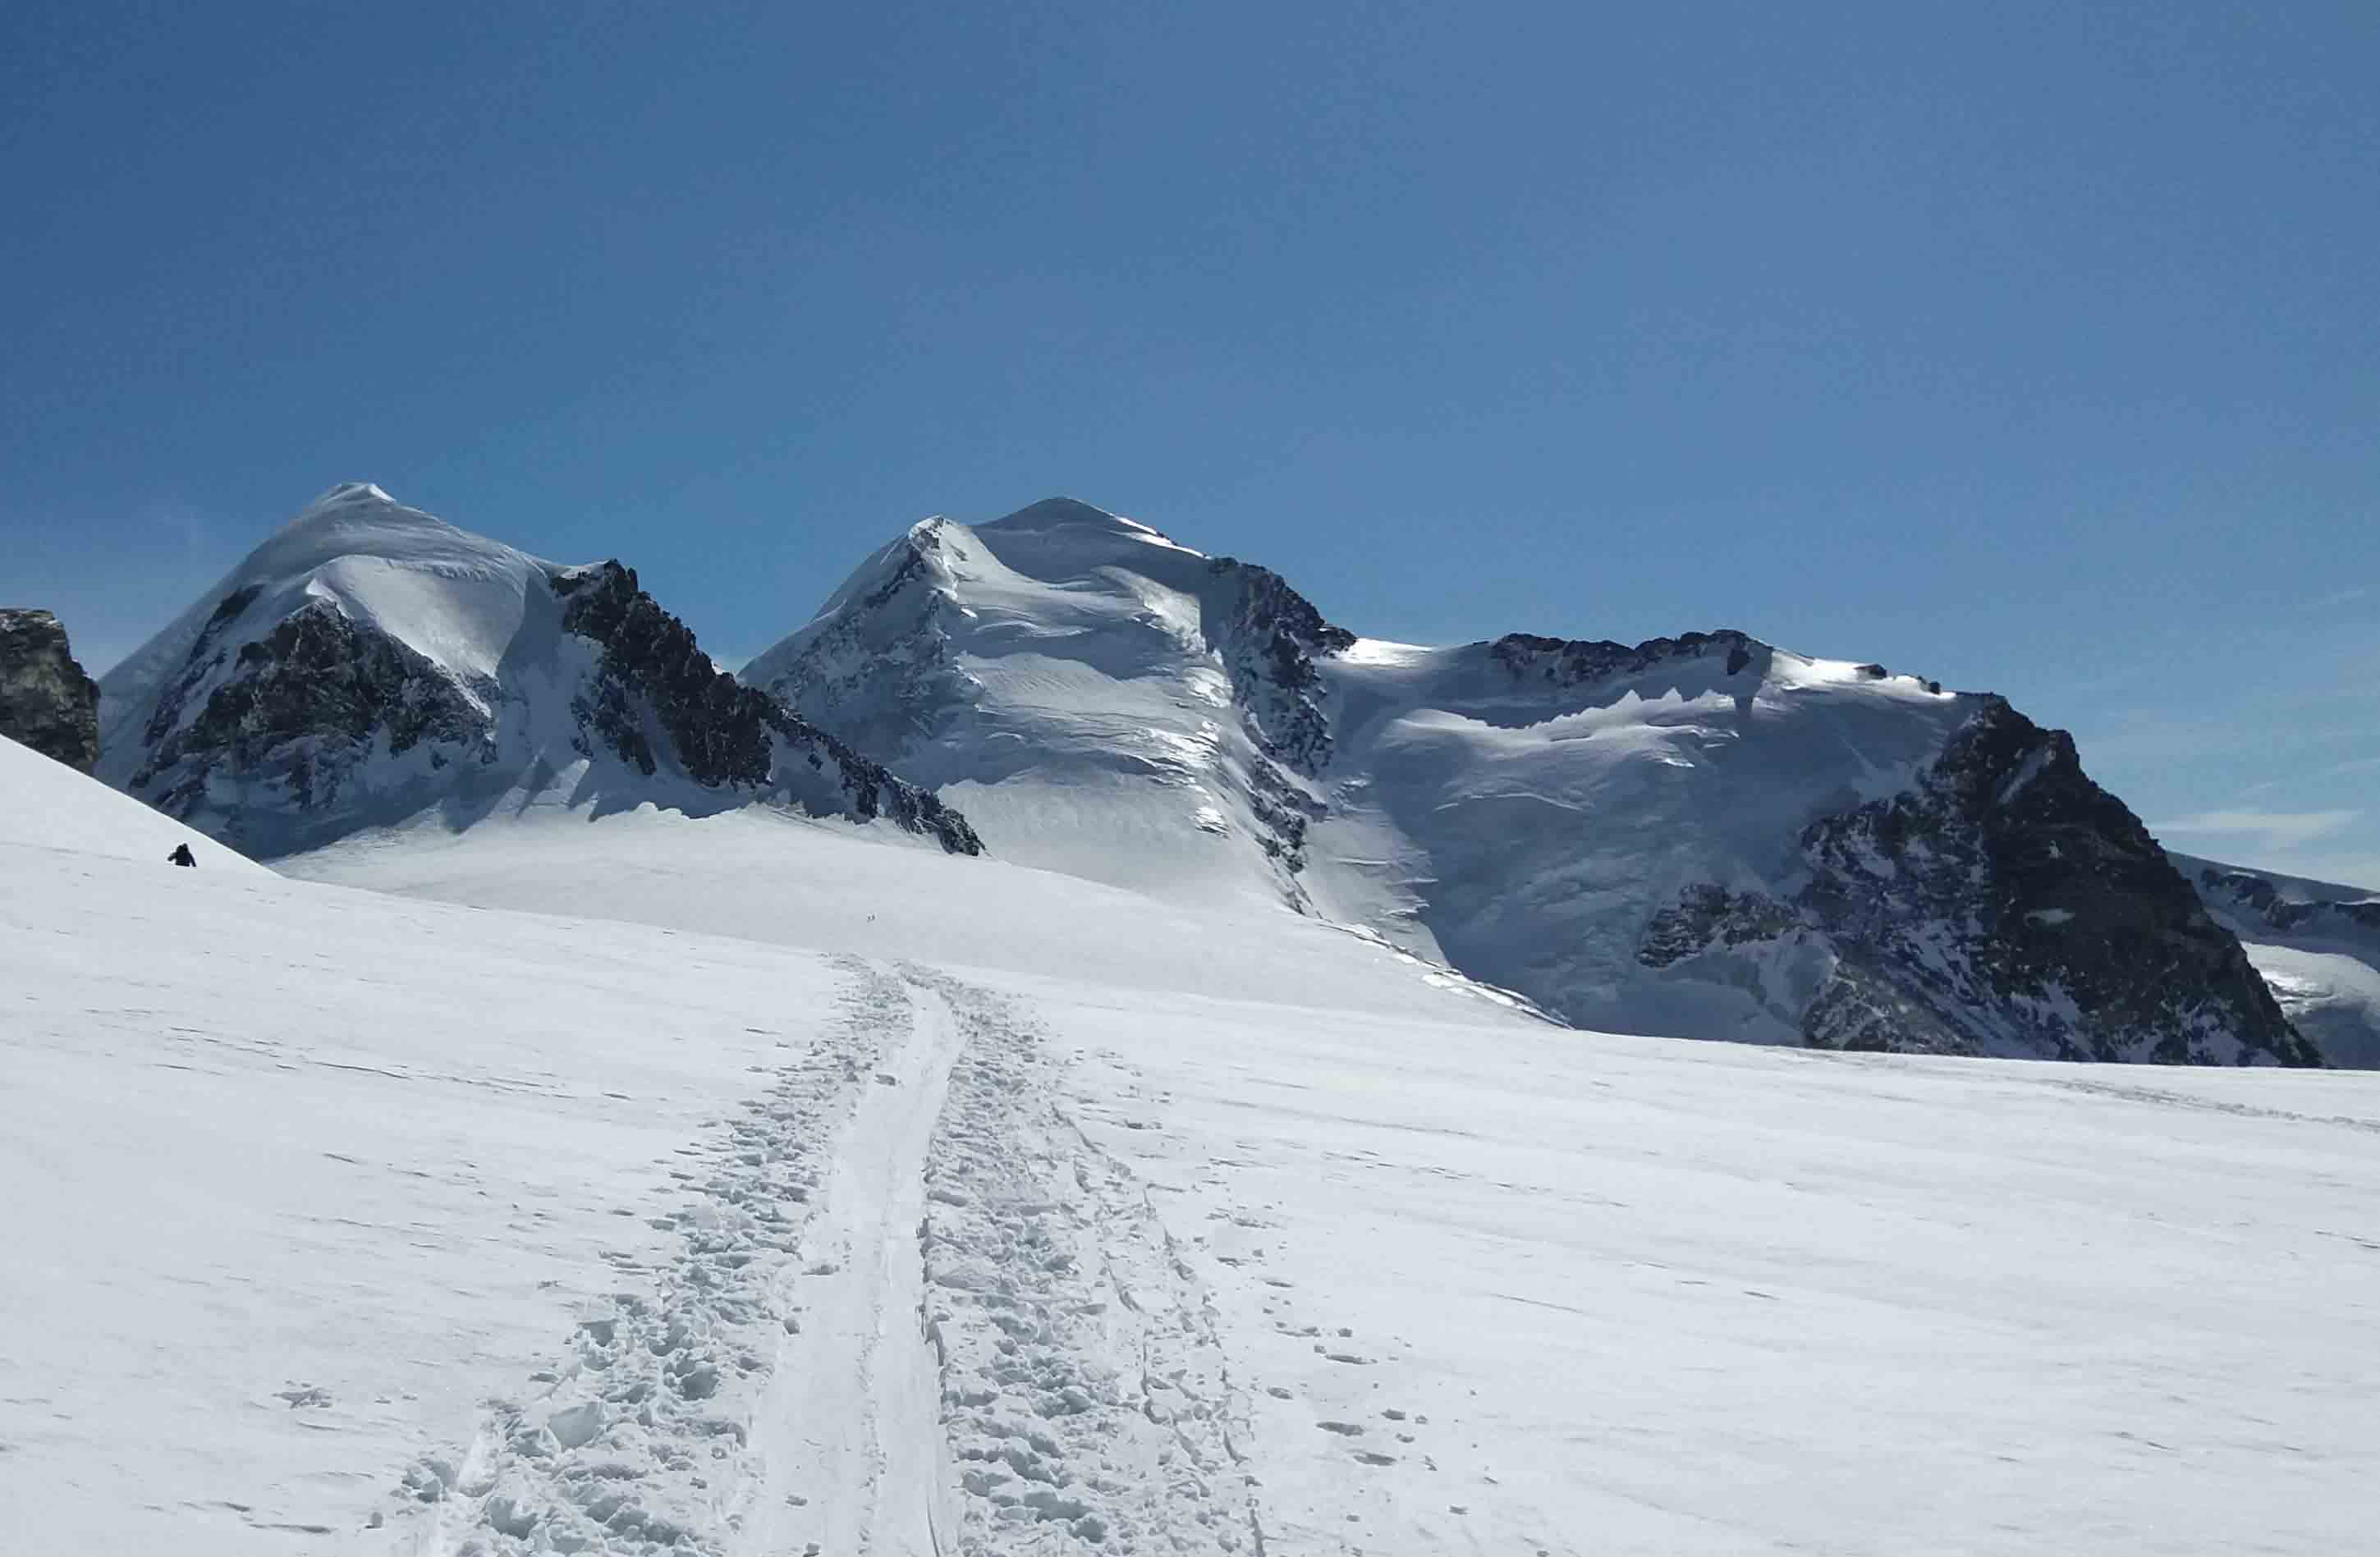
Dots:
pixel 46 701
pixel 725 734
pixel 2002 895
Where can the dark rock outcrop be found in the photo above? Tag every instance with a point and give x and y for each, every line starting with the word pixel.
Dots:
pixel 1269 637
pixel 1565 662
pixel 304 706
pixel 46 701
pixel 719 730
pixel 2003 903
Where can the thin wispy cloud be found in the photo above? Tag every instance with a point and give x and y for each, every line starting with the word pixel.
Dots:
pixel 2343 598
pixel 2274 829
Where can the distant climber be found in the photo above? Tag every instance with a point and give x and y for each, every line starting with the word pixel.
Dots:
pixel 181 855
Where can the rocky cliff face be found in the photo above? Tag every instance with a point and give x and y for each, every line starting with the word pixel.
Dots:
pixel 1268 637
pixel 2002 903
pixel 293 717
pixel 371 664
pixel 724 734
pixel 46 701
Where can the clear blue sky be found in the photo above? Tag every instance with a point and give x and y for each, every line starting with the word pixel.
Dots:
pixel 2033 347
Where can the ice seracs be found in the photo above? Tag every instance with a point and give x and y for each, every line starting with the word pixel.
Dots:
pixel 370 665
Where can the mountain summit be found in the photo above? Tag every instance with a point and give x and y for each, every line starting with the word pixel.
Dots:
pixel 1703 835
pixel 370 664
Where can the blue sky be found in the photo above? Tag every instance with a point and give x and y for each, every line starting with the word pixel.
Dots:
pixel 2032 348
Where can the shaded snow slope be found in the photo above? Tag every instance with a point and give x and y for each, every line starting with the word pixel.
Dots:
pixel 371 663
pixel 46 805
pixel 345 1221
pixel 1705 836
pixel 2317 943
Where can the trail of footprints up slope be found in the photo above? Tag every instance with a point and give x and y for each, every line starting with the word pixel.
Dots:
pixel 913 1312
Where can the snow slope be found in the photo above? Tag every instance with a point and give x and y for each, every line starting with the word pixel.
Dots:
pixel 370 664
pixel 2317 943
pixel 348 1221
pixel 1704 837
pixel 44 804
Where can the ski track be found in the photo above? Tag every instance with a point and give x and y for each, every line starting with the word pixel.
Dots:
pixel 914 1311
pixel 867 1471
pixel 1084 1385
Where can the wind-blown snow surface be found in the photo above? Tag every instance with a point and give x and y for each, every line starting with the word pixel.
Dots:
pixel 343 1220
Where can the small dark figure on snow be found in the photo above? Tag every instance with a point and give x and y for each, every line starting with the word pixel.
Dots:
pixel 181 855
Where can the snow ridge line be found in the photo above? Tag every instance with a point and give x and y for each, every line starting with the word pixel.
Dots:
pixel 1084 1390
pixel 639 1439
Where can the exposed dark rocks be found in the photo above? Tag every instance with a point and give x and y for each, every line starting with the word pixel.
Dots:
pixel 2003 903
pixel 304 706
pixel 1269 637
pixel 1707 915
pixel 46 701
pixel 321 724
pixel 719 729
pixel 1564 662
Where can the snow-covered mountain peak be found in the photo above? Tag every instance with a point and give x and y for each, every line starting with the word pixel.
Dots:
pixel 1151 699
pixel 1704 835
pixel 350 491
pixel 371 663
pixel 1076 519
pixel 357 518
pixel 455 599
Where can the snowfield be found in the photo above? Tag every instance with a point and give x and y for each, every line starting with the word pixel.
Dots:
pixel 752 1185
